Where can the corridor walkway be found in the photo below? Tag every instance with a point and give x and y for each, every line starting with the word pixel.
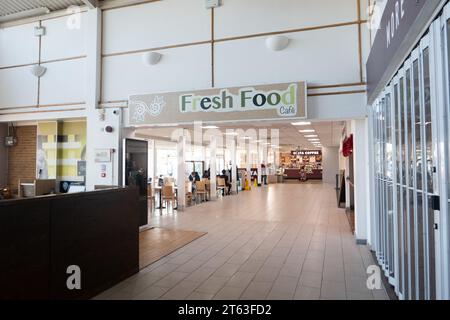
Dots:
pixel 278 242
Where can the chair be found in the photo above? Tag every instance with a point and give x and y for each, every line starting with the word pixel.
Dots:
pixel 188 190
pixel 151 197
pixel 201 190
pixel 169 181
pixel 208 187
pixel 168 196
pixel 221 186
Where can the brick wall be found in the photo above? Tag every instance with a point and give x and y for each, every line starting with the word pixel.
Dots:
pixel 22 157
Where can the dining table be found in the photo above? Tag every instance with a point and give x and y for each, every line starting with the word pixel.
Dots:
pixel 158 189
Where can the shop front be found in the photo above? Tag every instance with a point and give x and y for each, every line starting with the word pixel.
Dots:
pixel 302 165
pixel 409 144
pixel 210 133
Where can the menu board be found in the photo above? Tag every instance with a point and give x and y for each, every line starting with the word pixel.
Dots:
pixel 297 159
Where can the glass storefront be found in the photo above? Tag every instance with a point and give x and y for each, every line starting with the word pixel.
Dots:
pixel 410 121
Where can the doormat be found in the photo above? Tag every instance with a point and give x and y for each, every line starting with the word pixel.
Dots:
pixel 157 243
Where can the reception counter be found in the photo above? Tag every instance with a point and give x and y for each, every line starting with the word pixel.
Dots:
pixel 41 237
pixel 295 174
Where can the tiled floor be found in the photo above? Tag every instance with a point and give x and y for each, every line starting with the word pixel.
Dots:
pixel 279 242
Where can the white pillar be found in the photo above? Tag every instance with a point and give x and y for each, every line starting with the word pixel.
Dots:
pixel 153 158
pixel 232 148
pixel 361 179
pixel 265 156
pixel 263 153
pixel 259 159
pixel 93 68
pixel 181 179
pixel 249 156
pixel 212 156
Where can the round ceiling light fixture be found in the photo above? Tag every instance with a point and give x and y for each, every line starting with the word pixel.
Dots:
pixel 151 58
pixel 277 43
pixel 38 70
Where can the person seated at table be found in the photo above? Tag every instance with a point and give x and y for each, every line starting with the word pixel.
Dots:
pixel 224 176
pixel 194 177
pixel 206 174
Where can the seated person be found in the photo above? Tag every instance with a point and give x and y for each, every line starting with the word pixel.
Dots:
pixel 227 182
pixel 194 177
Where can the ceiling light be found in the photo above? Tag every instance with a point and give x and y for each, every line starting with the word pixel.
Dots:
pixel 151 58
pixel 307 131
pixel 315 140
pixel 301 123
pixel 210 127
pixel 38 70
pixel 277 43
pixel 231 133
pixel 311 136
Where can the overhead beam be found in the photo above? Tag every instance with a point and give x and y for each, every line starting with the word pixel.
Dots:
pixel 92 4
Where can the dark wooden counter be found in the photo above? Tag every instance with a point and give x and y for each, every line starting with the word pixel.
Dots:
pixel 295 174
pixel 40 237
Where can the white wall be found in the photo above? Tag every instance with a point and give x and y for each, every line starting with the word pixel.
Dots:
pixel 180 69
pixel 99 139
pixel 330 162
pixel 62 51
pixel 323 50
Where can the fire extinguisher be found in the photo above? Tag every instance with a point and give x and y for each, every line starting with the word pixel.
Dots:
pixel 347 146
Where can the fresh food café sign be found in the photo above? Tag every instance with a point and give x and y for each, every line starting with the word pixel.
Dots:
pixel 263 102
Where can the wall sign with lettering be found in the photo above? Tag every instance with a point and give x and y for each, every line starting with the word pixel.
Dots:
pixel 306 152
pixel 392 39
pixel 262 102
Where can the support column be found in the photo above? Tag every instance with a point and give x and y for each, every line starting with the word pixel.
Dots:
pixel 265 157
pixel 212 155
pixel 153 158
pixel 259 159
pixel 361 180
pixel 232 147
pixel 181 179
pixel 263 152
pixel 249 155
pixel 94 115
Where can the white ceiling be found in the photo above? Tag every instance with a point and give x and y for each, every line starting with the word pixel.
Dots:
pixel 8 7
pixel 329 132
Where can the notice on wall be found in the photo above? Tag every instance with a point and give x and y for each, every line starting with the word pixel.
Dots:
pixel 263 102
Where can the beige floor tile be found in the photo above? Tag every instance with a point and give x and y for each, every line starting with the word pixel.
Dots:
pixel 151 293
pixel 268 237
pixel 200 296
pixel 212 285
pixel 241 279
pixel 229 293
pixel 306 293
pixel 311 279
pixel 257 291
